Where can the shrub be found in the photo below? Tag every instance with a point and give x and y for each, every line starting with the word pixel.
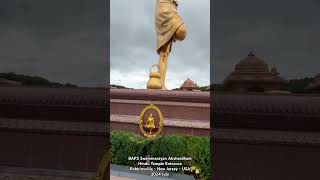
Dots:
pixel 124 145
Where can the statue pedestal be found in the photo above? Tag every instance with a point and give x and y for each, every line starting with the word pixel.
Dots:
pixel 184 112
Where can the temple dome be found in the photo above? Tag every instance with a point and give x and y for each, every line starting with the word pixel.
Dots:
pixel 274 71
pixel 252 64
pixel 189 85
pixel 253 74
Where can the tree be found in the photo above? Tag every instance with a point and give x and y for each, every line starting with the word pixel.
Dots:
pixel 26 80
pixel 298 85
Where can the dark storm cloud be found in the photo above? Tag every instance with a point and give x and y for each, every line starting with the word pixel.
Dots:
pixel 133 43
pixel 64 41
pixel 283 33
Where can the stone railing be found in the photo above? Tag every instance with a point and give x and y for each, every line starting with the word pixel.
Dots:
pixel 63 131
pixel 266 111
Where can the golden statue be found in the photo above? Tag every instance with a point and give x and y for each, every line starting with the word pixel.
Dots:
pixel 150 123
pixel 103 168
pixel 169 28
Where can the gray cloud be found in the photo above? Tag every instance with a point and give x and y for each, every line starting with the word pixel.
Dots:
pixel 133 43
pixel 283 33
pixel 64 41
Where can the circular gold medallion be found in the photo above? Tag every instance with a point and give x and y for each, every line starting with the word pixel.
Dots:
pixel 151 121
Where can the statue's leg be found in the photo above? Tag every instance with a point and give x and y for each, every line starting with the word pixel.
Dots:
pixel 181 33
pixel 164 53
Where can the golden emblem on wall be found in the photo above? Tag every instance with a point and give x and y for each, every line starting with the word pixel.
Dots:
pixel 151 121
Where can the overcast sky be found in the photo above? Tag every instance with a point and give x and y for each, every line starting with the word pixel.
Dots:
pixel 133 43
pixel 61 40
pixel 66 40
pixel 285 33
